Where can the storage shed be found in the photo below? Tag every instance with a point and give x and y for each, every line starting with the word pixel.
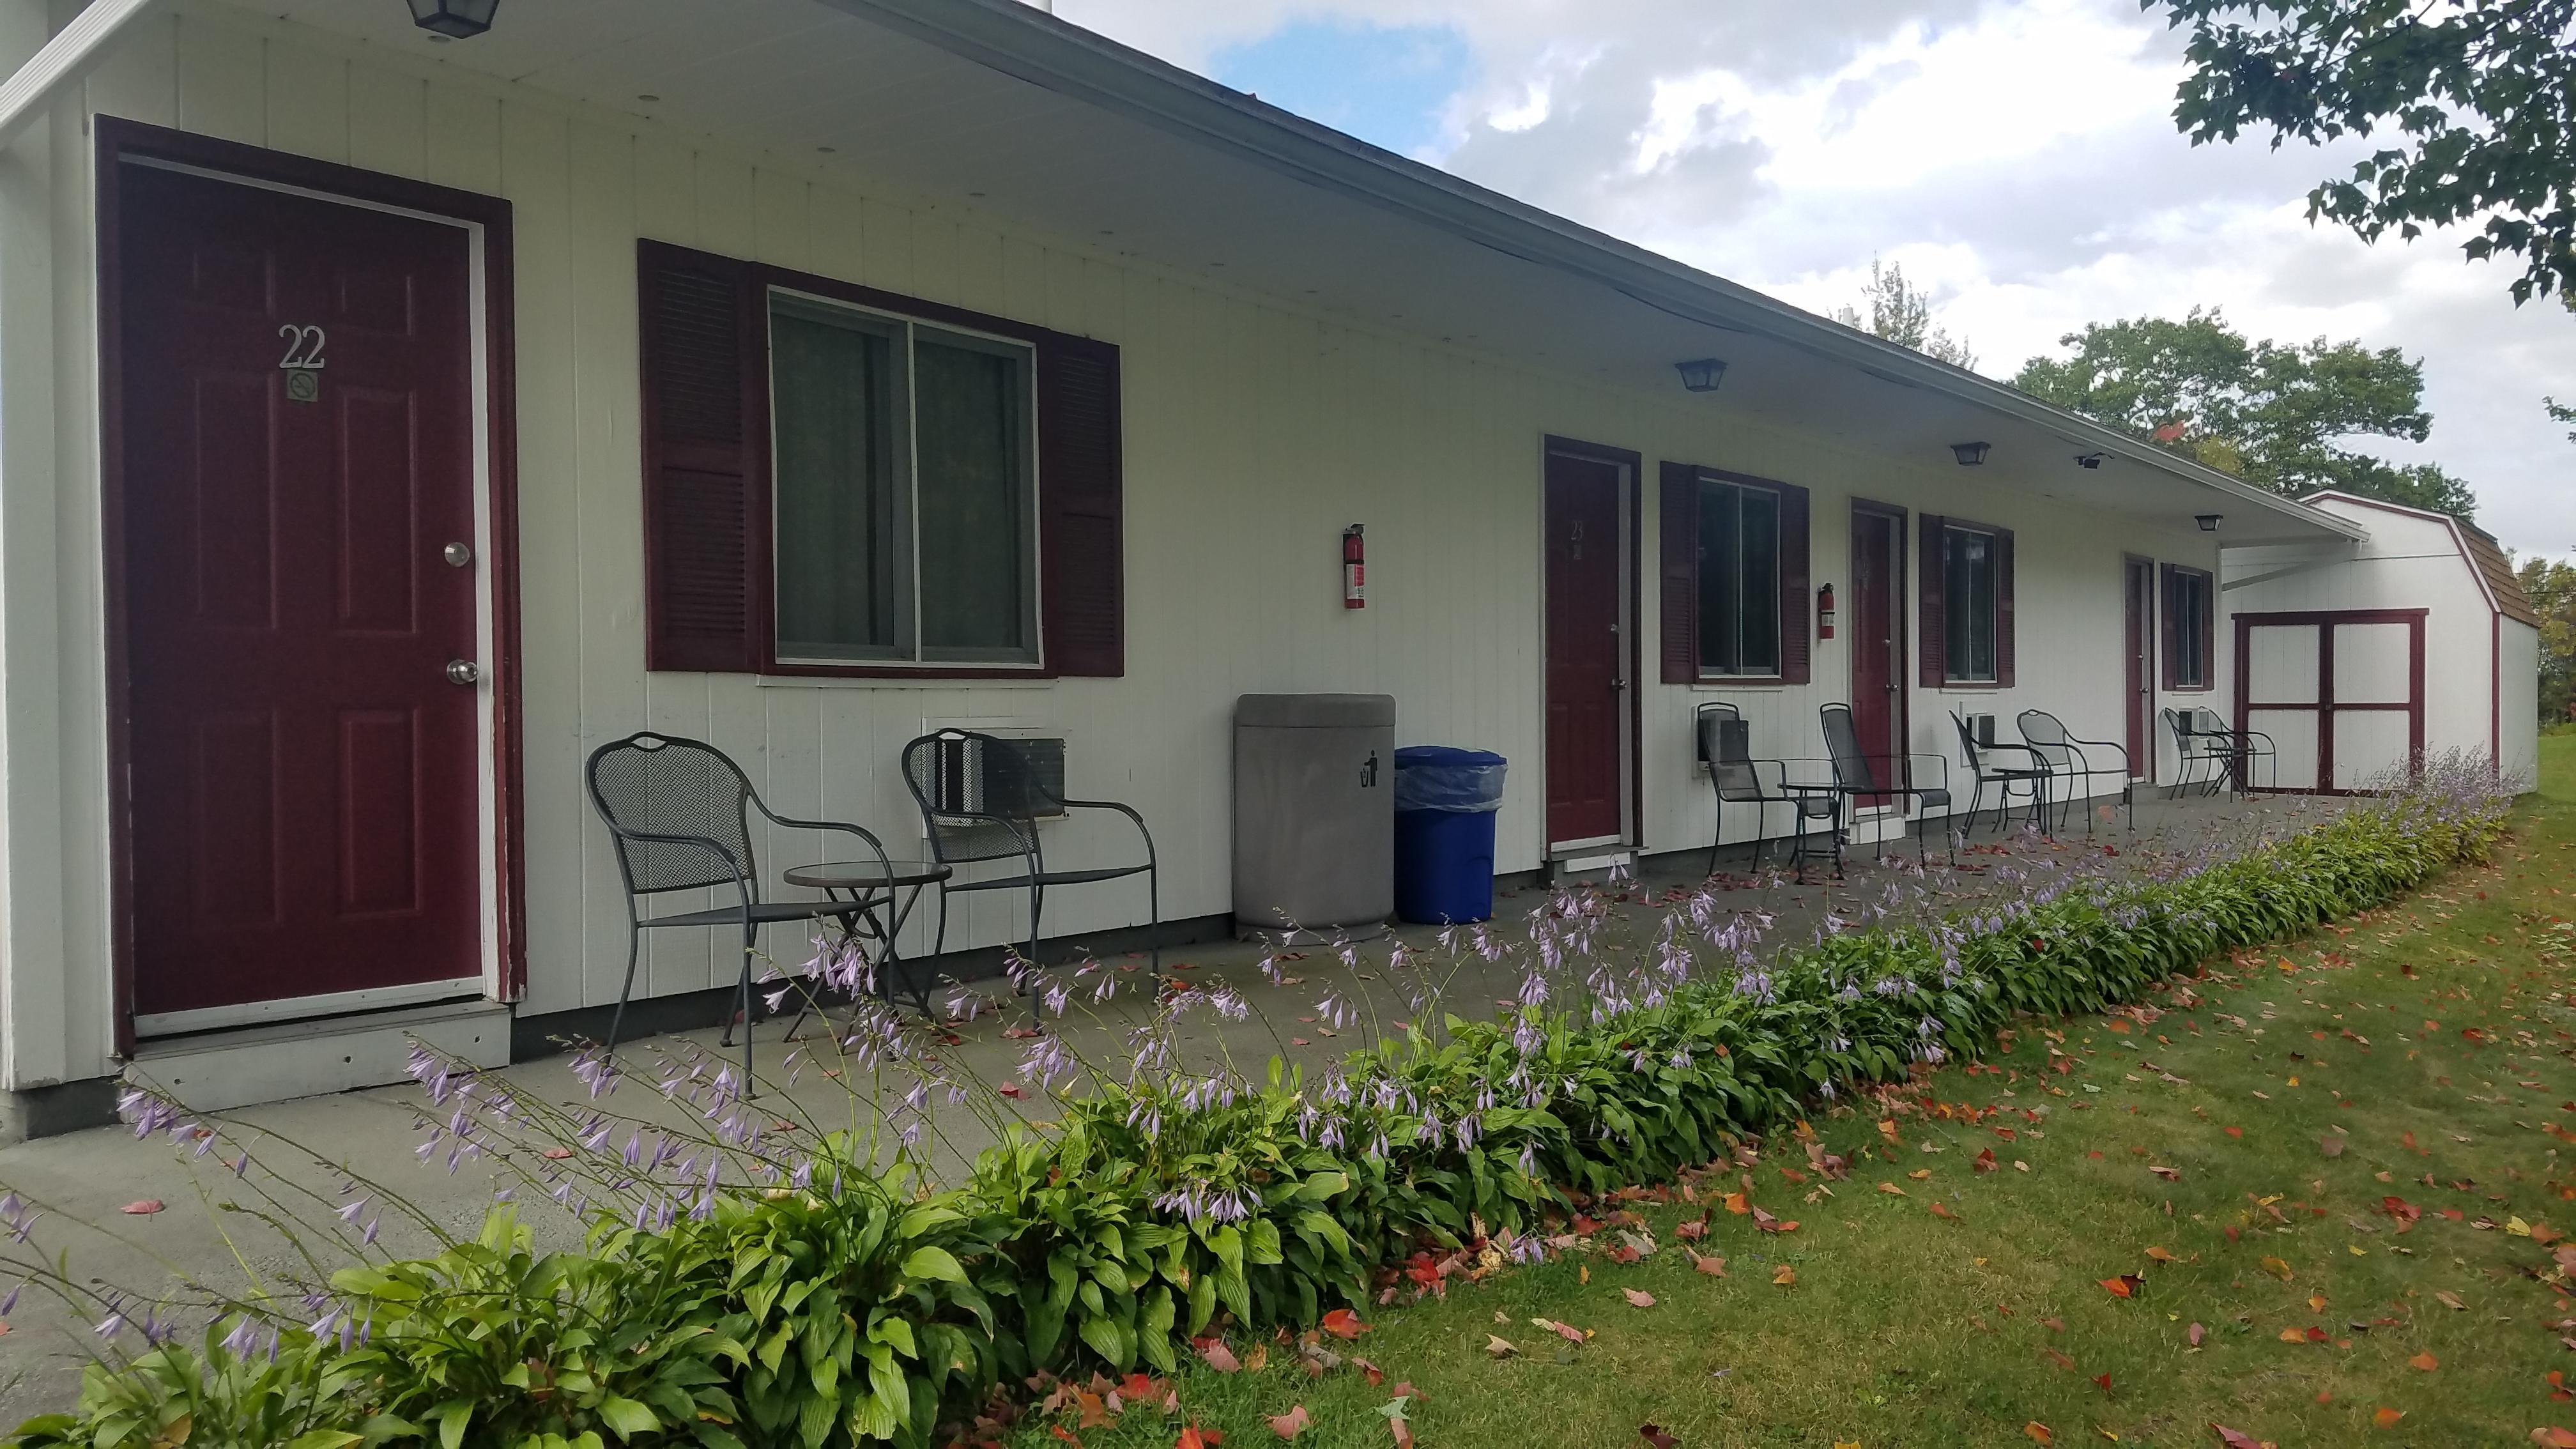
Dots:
pixel 2359 657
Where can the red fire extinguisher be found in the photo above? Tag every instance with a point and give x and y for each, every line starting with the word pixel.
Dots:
pixel 1825 612
pixel 1354 569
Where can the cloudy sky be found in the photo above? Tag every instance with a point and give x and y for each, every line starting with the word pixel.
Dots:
pixel 2018 158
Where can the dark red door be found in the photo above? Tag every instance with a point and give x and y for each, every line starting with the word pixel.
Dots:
pixel 304 808
pixel 2139 652
pixel 1587 711
pixel 1878 641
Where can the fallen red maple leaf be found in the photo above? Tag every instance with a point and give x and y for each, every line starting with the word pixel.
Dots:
pixel 1343 1323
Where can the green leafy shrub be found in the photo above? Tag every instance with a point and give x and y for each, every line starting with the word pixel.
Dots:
pixel 838 1305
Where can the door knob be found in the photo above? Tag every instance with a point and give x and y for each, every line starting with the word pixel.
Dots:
pixel 462 671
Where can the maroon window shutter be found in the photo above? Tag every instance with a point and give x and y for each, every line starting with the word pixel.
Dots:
pixel 2208 586
pixel 1928 593
pixel 704 484
pixel 1081 515
pixel 1796 613
pixel 2168 595
pixel 2003 608
pixel 1677 555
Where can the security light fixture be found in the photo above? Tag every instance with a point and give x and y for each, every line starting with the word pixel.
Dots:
pixel 454 19
pixel 2208 521
pixel 1701 374
pixel 2089 460
pixel 1969 454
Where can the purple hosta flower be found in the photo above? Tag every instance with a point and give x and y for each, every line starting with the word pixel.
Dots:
pixel 1928 1028
pixel 9 1303
pixel 1430 1130
pixel 1756 984
pixel 1850 992
pixel 1827 1089
pixel 595 1070
pixel 1840 1044
pixel 349 1210
pixel 1056 998
pixel 1529 1159
pixel 1466 1130
pixel 1145 1117
pixel 1890 986
pixel 242 1337
pixel 1046 1059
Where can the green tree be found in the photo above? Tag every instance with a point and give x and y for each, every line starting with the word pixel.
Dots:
pixel 2552 587
pixel 2275 414
pixel 1902 313
pixel 2472 104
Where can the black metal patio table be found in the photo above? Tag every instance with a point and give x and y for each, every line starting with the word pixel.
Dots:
pixel 878 896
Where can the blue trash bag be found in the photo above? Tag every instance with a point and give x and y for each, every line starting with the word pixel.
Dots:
pixel 1441 777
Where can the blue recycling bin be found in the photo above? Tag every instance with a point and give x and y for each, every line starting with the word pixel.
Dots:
pixel 1445 800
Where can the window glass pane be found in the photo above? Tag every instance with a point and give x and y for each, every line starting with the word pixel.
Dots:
pixel 1720 545
pixel 2191 609
pixel 1739 580
pixel 970 425
pixel 1760 652
pixel 1968 604
pixel 842 555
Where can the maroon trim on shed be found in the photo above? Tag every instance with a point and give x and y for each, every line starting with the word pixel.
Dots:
pixel 118 139
pixel 2495 693
pixel 2325 706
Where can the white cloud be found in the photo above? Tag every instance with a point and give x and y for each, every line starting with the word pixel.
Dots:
pixel 2018 159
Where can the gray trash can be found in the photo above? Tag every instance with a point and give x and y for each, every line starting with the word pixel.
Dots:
pixel 1314 815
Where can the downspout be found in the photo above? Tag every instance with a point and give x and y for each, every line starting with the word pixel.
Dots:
pixel 60 61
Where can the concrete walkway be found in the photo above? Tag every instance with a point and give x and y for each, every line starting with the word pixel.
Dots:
pixel 86 1178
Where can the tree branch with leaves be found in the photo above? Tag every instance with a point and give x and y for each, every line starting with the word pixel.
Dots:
pixel 2275 414
pixel 2473 103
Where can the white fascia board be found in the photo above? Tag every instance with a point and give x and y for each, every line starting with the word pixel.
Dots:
pixel 1019 40
pixel 60 61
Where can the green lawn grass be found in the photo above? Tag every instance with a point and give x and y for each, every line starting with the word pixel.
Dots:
pixel 2298 1090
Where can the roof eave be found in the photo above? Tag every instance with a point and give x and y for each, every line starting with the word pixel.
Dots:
pixel 1020 40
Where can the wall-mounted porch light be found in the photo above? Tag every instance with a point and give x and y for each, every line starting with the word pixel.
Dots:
pixel 2089 460
pixel 455 19
pixel 1701 374
pixel 1969 454
pixel 2208 521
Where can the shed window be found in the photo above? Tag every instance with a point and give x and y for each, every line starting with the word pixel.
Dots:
pixel 902 527
pixel 1739 580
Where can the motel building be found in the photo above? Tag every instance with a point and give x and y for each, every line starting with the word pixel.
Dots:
pixel 393 414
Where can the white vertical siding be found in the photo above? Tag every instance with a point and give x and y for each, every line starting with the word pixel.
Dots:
pixel 2414 562
pixel 1255 431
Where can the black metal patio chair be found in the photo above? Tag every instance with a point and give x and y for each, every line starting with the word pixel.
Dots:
pixel 2066 755
pixel 1860 775
pixel 1725 746
pixel 2247 749
pixel 2031 776
pixel 981 801
pixel 2202 738
pixel 679 812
